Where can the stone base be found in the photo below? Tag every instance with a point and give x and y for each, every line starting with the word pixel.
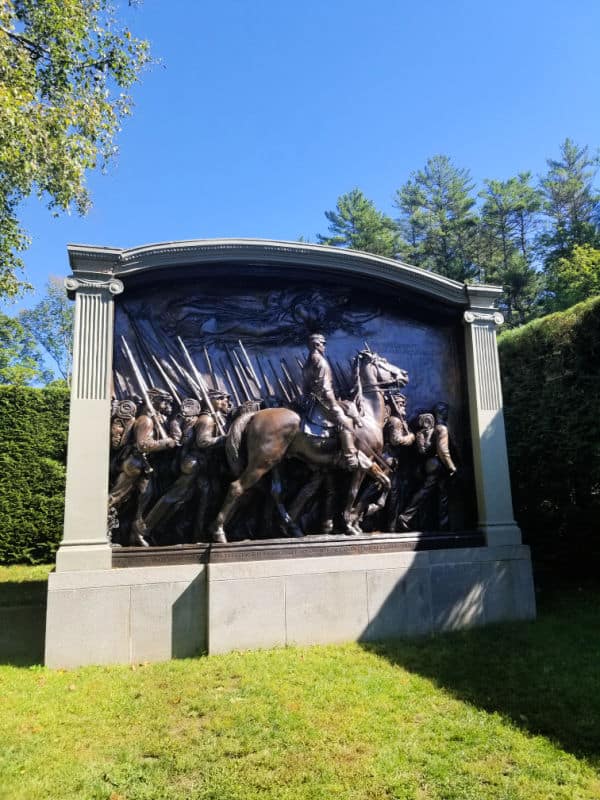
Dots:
pixel 365 597
pixel 152 613
pixel 123 616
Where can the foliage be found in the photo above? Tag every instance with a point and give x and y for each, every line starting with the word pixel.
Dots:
pixel 575 277
pixel 508 221
pixel 63 68
pixel 551 379
pixel 20 360
pixel 438 221
pixel 51 324
pixel 357 224
pixel 572 208
pixel 478 715
pixel 33 432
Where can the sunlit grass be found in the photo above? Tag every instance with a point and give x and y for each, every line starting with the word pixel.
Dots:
pixel 20 573
pixel 508 712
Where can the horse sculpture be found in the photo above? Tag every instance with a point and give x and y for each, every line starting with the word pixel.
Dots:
pixel 273 434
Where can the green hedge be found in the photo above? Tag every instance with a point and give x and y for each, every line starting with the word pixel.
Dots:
pixel 33 433
pixel 551 380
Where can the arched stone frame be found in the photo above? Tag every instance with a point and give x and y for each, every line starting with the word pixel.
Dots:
pixel 100 273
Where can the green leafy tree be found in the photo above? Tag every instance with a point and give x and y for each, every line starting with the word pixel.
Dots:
pixel 437 221
pixel 50 323
pixel 509 218
pixel 575 277
pixel 20 359
pixel 64 69
pixel 571 204
pixel 356 223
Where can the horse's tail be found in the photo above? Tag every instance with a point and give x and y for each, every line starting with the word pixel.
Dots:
pixel 233 442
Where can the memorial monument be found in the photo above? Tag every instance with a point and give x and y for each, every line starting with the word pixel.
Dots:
pixel 276 443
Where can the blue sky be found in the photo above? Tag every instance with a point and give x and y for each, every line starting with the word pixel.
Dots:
pixel 262 113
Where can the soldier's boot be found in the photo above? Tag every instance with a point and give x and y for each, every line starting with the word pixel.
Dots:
pixel 349 452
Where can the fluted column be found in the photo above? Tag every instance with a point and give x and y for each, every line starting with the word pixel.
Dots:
pixel 85 544
pixel 494 497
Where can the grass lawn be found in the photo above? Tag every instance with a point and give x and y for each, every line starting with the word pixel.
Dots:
pixel 508 712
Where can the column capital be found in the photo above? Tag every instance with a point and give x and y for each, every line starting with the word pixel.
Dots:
pixel 110 284
pixel 471 316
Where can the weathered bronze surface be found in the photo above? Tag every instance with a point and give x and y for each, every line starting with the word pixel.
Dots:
pixel 309 547
pixel 242 416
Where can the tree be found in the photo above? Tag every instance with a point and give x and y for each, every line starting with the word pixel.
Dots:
pixel 509 218
pixel 571 203
pixel 438 222
pixel 357 224
pixel 20 360
pixel 64 67
pixel 50 323
pixel 575 277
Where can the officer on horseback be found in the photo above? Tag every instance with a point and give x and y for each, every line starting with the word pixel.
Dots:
pixel 318 384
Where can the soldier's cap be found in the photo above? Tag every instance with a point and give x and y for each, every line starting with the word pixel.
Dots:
pixel 316 338
pixel 218 394
pixel 423 418
pixel 190 407
pixel 159 394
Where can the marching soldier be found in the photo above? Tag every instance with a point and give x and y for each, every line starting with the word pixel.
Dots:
pixel 136 472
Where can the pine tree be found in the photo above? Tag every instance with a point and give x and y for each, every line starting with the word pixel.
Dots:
pixel 357 224
pixel 438 222
pixel 508 221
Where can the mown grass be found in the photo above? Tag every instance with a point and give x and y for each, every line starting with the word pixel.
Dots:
pixel 24 573
pixel 508 712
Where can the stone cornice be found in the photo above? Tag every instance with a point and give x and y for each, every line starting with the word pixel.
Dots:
pixel 123 263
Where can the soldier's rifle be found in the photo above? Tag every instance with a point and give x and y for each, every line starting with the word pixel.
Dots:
pixel 285 392
pixel 240 371
pixel 210 369
pixel 251 371
pixel 231 383
pixel 238 375
pixel 295 388
pixel 202 386
pixel 144 390
pixel 166 379
pixel 265 380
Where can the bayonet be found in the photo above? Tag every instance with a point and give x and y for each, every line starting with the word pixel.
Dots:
pixel 265 380
pixel 211 371
pixel 252 373
pixel 166 379
pixel 285 392
pixel 231 383
pixel 144 390
pixel 236 372
pixel 202 386
pixel 293 385
pixel 241 373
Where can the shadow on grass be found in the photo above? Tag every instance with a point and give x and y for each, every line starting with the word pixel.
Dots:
pixel 543 676
pixel 22 622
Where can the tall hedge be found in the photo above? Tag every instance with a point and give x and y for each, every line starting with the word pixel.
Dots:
pixel 33 444
pixel 551 380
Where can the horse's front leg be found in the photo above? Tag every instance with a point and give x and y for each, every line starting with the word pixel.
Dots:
pixel 350 519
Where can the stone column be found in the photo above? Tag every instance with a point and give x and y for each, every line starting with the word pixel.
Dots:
pixel 494 498
pixel 85 544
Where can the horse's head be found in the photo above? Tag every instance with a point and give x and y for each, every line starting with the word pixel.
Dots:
pixel 379 371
